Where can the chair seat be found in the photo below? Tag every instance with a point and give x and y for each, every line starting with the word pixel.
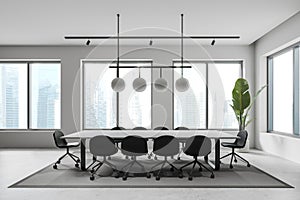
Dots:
pixel 73 144
pixel 230 145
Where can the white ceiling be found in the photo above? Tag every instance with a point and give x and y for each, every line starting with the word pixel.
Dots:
pixel 41 22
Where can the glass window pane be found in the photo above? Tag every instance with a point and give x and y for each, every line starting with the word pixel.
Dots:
pixel 190 106
pixel 99 98
pixel 221 80
pixel 135 107
pixel 13 96
pixel 283 92
pixel 45 109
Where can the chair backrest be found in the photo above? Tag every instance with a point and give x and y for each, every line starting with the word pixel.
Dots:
pixel 161 128
pixel 59 142
pixel 241 141
pixel 102 145
pixel 134 146
pixel 198 145
pixel 139 128
pixel 181 128
pixel 118 128
pixel 166 145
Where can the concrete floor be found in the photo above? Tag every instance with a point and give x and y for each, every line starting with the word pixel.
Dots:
pixel 19 163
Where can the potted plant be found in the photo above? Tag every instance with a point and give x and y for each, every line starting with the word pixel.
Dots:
pixel 242 103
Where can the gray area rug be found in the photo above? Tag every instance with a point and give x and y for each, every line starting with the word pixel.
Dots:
pixel 67 176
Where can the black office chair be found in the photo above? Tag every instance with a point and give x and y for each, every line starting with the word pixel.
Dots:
pixel 158 128
pixel 182 143
pixel 139 128
pixel 102 146
pixel 117 141
pixel 118 128
pixel 165 146
pixel 197 146
pixel 239 143
pixel 133 146
pixel 161 128
pixel 63 144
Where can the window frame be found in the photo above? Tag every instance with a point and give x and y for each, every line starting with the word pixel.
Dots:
pixel 207 62
pixel 270 82
pixel 28 62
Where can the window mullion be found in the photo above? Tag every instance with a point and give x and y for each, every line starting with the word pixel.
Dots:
pixel 270 94
pixel 296 90
pixel 28 95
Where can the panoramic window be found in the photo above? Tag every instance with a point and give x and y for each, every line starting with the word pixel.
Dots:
pixel 45 96
pixel 283 91
pixel 103 108
pixel 190 106
pixel 13 95
pixel 202 107
pixel 33 106
pixel 221 80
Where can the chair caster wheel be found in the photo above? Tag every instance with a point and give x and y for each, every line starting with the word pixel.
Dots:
pixel 172 169
pixel 235 160
pixel 92 171
pixel 92 178
pixel 190 178
pixel 180 170
pixel 180 176
pixel 78 160
pixel 124 178
pixel 117 175
pixel 126 157
pixel 248 165
pixel 157 178
pixel 149 157
pixel 58 162
pixel 55 166
pixel 77 165
pixel 148 175
pixel 155 158
pixel 178 158
pixel 212 176
pixel 230 166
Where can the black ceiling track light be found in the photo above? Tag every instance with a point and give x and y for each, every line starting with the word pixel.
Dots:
pixel 213 42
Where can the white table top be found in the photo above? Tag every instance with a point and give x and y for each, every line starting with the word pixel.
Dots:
pixel 181 134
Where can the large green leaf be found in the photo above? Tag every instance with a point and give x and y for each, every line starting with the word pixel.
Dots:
pixel 240 96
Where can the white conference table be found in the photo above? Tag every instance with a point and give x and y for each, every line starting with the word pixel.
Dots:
pixel 182 135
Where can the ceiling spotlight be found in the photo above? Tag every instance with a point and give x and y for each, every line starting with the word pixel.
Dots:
pixel 213 42
pixel 88 42
pixel 150 43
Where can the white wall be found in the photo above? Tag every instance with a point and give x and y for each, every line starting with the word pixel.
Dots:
pixel 70 58
pixel 284 35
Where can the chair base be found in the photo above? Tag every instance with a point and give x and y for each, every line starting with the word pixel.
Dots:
pixel 194 162
pixel 72 156
pixel 235 156
pixel 96 167
pixel 162 163
pixel 129 165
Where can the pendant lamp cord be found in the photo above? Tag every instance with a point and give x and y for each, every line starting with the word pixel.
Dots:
pixel 181 45
pixel 118 44
pixel 139 72
pixel 160 74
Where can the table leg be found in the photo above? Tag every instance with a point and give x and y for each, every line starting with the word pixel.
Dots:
pixel 82 154
pixel 217 154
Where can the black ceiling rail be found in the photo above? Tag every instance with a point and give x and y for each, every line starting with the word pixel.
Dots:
pixel 152 37
pixel 154 66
